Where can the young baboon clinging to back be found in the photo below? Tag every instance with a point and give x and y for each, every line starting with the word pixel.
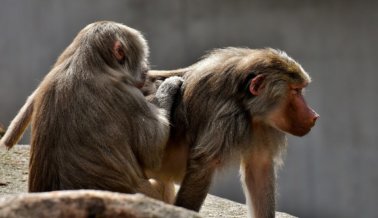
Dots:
pixel 91 126
pixel 234 102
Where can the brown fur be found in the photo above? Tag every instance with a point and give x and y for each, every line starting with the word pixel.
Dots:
pixel 18 124
pixel 2 130
pixel 231 104
pixel 91 127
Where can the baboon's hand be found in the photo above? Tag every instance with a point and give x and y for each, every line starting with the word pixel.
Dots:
pixel 167 92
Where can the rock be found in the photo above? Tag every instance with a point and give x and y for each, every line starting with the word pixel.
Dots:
pixel 13 174
pixel 219 207
pixel 87 203
pixel 14 169
pixel 92 203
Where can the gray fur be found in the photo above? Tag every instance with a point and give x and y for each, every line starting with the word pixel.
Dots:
pixel 167 92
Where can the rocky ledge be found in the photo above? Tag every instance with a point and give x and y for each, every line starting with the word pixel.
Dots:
pixel 15 202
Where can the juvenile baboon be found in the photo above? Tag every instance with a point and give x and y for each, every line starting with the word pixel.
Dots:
pixel 234 102
pixel 92 128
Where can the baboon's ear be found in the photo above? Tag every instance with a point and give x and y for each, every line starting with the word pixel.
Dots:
pixel 119 52
pixel 256 85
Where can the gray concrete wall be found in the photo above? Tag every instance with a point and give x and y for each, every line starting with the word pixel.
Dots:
pixel 332 172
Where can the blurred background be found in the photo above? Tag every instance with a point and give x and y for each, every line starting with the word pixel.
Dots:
pixel 332 172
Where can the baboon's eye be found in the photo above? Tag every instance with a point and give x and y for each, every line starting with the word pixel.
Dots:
pixel 297 91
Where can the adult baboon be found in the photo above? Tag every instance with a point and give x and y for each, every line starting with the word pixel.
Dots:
pixel 234 102
pixel 91 125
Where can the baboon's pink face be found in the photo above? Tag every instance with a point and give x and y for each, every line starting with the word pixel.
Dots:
pixel 293 115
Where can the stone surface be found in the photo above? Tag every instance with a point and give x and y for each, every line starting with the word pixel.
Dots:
pixel 88 203
pixel 15 202
pixel 14 170
pixel 219 207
